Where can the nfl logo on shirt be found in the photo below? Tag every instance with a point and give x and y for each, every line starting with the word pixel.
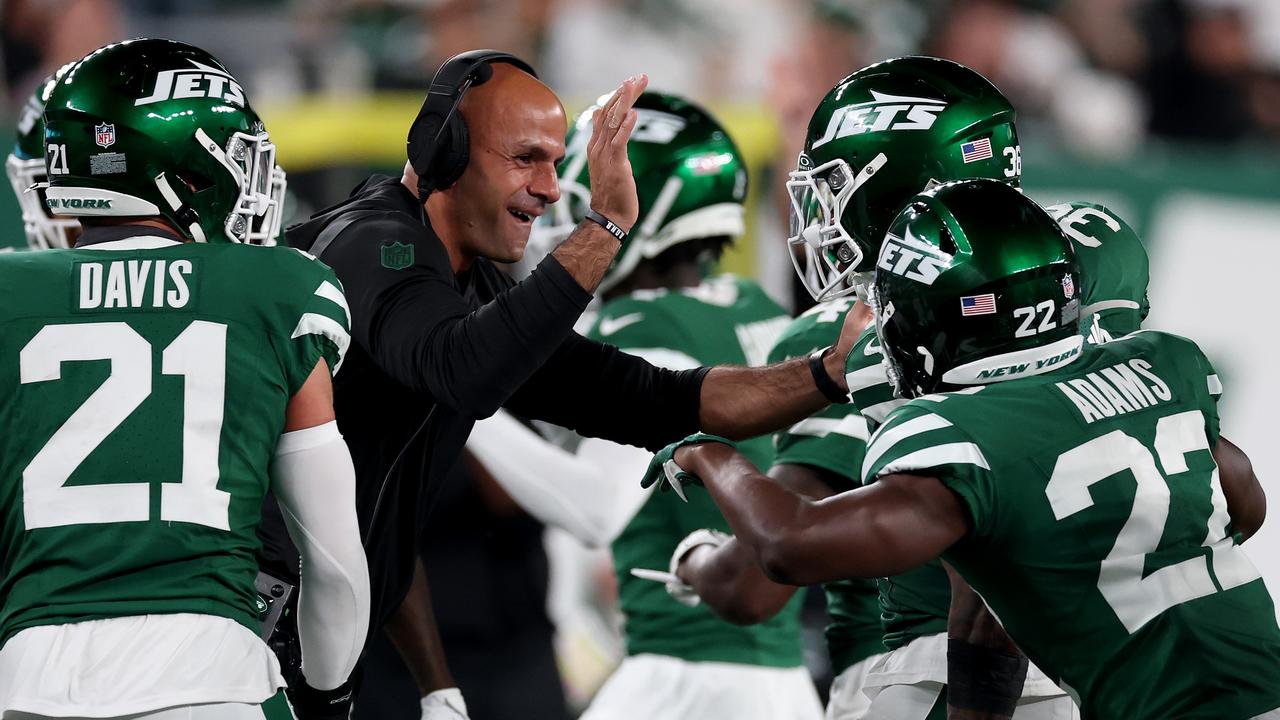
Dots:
pixel 104 134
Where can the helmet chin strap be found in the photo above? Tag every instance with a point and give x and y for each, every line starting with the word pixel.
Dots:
pixel 183 211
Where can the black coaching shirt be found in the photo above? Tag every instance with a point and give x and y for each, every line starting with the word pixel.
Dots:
pixel 431 353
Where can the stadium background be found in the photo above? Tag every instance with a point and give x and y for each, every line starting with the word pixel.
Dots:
pixel 1168 111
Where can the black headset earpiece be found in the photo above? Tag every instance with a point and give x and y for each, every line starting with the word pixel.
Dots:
pixel 439 145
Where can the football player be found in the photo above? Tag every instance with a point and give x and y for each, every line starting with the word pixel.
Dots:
pixel 878 137
pixel 660 303
pixel 25 168
pixel 155 381
pixel 1082 489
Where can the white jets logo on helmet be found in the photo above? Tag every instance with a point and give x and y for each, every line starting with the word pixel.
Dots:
pixel 201 82
pixel 912 258
pixel 884 112
pixel 657 127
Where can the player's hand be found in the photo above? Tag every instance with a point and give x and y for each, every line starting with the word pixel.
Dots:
pixel 859 318
pixel 663 468
pixel 446 704
pixel 677 588
pixel 613 189
pixel 312 704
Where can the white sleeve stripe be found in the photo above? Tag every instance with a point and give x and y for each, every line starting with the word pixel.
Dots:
pixel 866 377
pixel 960 453
pixel 881 410
pixel 853 426
pixel 664 358
pixel 1215 385
pixel 313 324
pixel 888 436
pixel 329 292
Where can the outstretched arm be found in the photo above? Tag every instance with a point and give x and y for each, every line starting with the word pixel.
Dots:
pixel 886 528
pixel 740 402
pixel 728 578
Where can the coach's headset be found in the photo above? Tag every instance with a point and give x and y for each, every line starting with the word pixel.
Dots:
pixel 439 144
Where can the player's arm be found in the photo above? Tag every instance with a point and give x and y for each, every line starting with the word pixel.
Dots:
pixel 1246 501
pixel 728 578
pixel 885 528
pixel 741 402
pixel 314 480
pixel 591 494
pixel 985 670
pixel 413 630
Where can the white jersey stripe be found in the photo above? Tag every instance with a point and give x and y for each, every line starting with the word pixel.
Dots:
pixel 329 292
pixel 315 324
pixel 853 426
pixel 887 437
pixel 880 411
pixel 960 453
pixel 1215 385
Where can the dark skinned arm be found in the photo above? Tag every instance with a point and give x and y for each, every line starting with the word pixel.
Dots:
pixel 970 621
pixel 742 402
pixel 895 524
pixel 1246 502
pixel 413 630
pixel 728 578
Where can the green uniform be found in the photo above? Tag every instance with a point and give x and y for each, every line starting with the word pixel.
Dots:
pixel 1114 272
pixel 725 320
pixel 1100 535
pixel 833 439
pixel 143 394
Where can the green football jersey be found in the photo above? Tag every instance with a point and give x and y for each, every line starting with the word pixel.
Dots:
pixel 1113 268
pixel 1114 272
pixel 1100 534
pixel 725 320
pixel 833 439
pixel 144 386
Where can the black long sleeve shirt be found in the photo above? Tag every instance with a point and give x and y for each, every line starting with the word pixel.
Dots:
pixel 431 353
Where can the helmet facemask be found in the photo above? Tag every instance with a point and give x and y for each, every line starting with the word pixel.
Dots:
pixel 824 254
pixel 43 229
pixel 256 216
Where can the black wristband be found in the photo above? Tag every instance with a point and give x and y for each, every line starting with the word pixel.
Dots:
pixel 607 224
pixel 983 679
pixel 828 387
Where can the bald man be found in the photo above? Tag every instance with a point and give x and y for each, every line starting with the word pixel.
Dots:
pixel 441 337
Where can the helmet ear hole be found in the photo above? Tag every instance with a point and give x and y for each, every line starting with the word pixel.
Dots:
pixel 195 181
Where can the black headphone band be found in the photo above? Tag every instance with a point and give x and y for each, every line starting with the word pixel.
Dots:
pixel 452 80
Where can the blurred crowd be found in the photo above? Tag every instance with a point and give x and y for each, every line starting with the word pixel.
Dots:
pixel 1098 77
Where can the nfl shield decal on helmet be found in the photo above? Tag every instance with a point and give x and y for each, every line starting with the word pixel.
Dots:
pixel 1068 286
pixel 104 134
pixel 397 256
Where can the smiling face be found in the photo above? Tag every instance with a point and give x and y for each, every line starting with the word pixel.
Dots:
pixel 517 128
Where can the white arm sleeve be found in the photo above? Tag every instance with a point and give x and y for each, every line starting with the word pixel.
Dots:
pixel 314 481
pixel 592 495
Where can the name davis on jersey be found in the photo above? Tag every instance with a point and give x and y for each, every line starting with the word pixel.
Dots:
pixel 134 284
pixel 884 112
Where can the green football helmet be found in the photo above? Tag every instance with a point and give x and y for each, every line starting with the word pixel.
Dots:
pixel 690 178
pixel 880 136
pixel 25 168
pixel 147 128
pixel 975 283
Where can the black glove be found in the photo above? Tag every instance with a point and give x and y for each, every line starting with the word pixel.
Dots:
pixel 311 704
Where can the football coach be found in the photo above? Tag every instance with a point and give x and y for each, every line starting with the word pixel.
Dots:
pixel 441 337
